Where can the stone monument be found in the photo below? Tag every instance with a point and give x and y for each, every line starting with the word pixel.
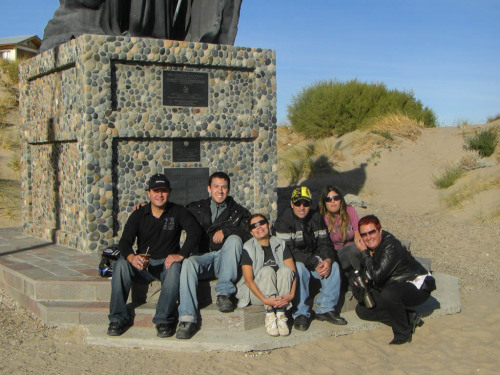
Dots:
pixel 100 114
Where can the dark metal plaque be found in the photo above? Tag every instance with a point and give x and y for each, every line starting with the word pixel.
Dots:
pixel 185 150
pixel 188 184
pixel 185 89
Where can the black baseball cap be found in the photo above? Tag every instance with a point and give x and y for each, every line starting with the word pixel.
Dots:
pixel 158 181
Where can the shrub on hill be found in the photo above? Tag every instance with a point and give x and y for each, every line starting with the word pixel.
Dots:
pixel 334 108
pixel 484 142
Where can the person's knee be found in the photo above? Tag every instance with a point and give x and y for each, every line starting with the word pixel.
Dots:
pixel 233 242
pixel 122 266
pixel 389 295
pixel 335 268
pixel 301 268
pixel 189 267
pixel 267 272
pixel 173 272
pixel 285 272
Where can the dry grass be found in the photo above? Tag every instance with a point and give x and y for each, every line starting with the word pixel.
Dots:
pixel 287 138
pixel 308 159
pixel 458 196
pixel 10 198
pixel 387 132
pixel 399 126
pixel 299 158
pixel 9 137
pixel 471 160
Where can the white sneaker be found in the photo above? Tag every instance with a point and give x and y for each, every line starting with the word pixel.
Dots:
pixel 270 324
pixel 282 326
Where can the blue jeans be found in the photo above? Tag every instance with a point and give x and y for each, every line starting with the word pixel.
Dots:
pixel 329 292
pixel 123 274
pixel 222 265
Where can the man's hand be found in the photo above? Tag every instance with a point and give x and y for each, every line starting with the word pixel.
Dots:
pixel 323 268
pixel 172 258
pixel 138 205
pixel 137 261
pixel 360 245
pixel 218 236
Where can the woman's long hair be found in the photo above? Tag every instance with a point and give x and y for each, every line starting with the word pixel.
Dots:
pixel 344 216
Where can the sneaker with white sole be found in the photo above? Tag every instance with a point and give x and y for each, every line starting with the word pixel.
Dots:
pixel 281 321
pixel 270 324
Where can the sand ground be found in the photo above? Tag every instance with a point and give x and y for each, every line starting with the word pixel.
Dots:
pixel 461 241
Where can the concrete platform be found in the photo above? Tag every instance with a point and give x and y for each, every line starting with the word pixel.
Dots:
pixel 62 287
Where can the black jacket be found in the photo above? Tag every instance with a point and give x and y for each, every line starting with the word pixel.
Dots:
pixel 290 228
pixel 233 220
pixel 391 262
pixel 161 234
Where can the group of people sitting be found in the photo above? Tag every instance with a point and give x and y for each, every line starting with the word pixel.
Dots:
pixel 259 264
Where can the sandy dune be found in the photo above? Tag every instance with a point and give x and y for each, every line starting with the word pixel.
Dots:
pixel 397 187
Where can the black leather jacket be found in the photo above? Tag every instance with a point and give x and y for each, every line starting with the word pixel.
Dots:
pixel 391 262
pixel 290 228
pixel 233 220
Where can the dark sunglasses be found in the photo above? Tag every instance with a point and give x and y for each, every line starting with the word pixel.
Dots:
pixel 373 231
pixel 332 198
pixel 302 203
pixel 258 224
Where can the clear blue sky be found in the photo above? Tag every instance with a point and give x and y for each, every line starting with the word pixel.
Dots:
pixel 446 51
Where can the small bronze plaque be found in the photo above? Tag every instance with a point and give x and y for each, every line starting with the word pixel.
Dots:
pixel 188 184
pixel 185 150
pixel 185 89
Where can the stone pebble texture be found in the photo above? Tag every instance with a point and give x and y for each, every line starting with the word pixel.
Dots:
pixel 94 129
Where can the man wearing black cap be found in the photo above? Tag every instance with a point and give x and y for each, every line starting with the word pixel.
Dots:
pixel 157 227
pixel 306 236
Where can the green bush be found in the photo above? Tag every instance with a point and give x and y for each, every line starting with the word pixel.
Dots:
pixel 484 142
pixel 331 107
pixel 448 178
pixel 493 118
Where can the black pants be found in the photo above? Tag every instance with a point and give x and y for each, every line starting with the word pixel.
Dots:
pixel 390 307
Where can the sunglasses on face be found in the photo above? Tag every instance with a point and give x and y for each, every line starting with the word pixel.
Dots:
pixel 258 224
pixel 371 232
pixel 302 203
pixel 332 198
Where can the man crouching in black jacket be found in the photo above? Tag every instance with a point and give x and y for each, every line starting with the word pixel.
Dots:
pixel 398 280
pixel 305 234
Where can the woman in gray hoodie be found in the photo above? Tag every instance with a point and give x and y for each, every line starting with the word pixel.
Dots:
pixel 269 275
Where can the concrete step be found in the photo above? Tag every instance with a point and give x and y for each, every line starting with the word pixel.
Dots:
pixel 70 313
pixel 86 302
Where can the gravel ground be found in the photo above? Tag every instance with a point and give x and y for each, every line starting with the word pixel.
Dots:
pixel 469 252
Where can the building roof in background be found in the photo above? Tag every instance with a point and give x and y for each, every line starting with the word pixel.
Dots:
pixel 19 39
